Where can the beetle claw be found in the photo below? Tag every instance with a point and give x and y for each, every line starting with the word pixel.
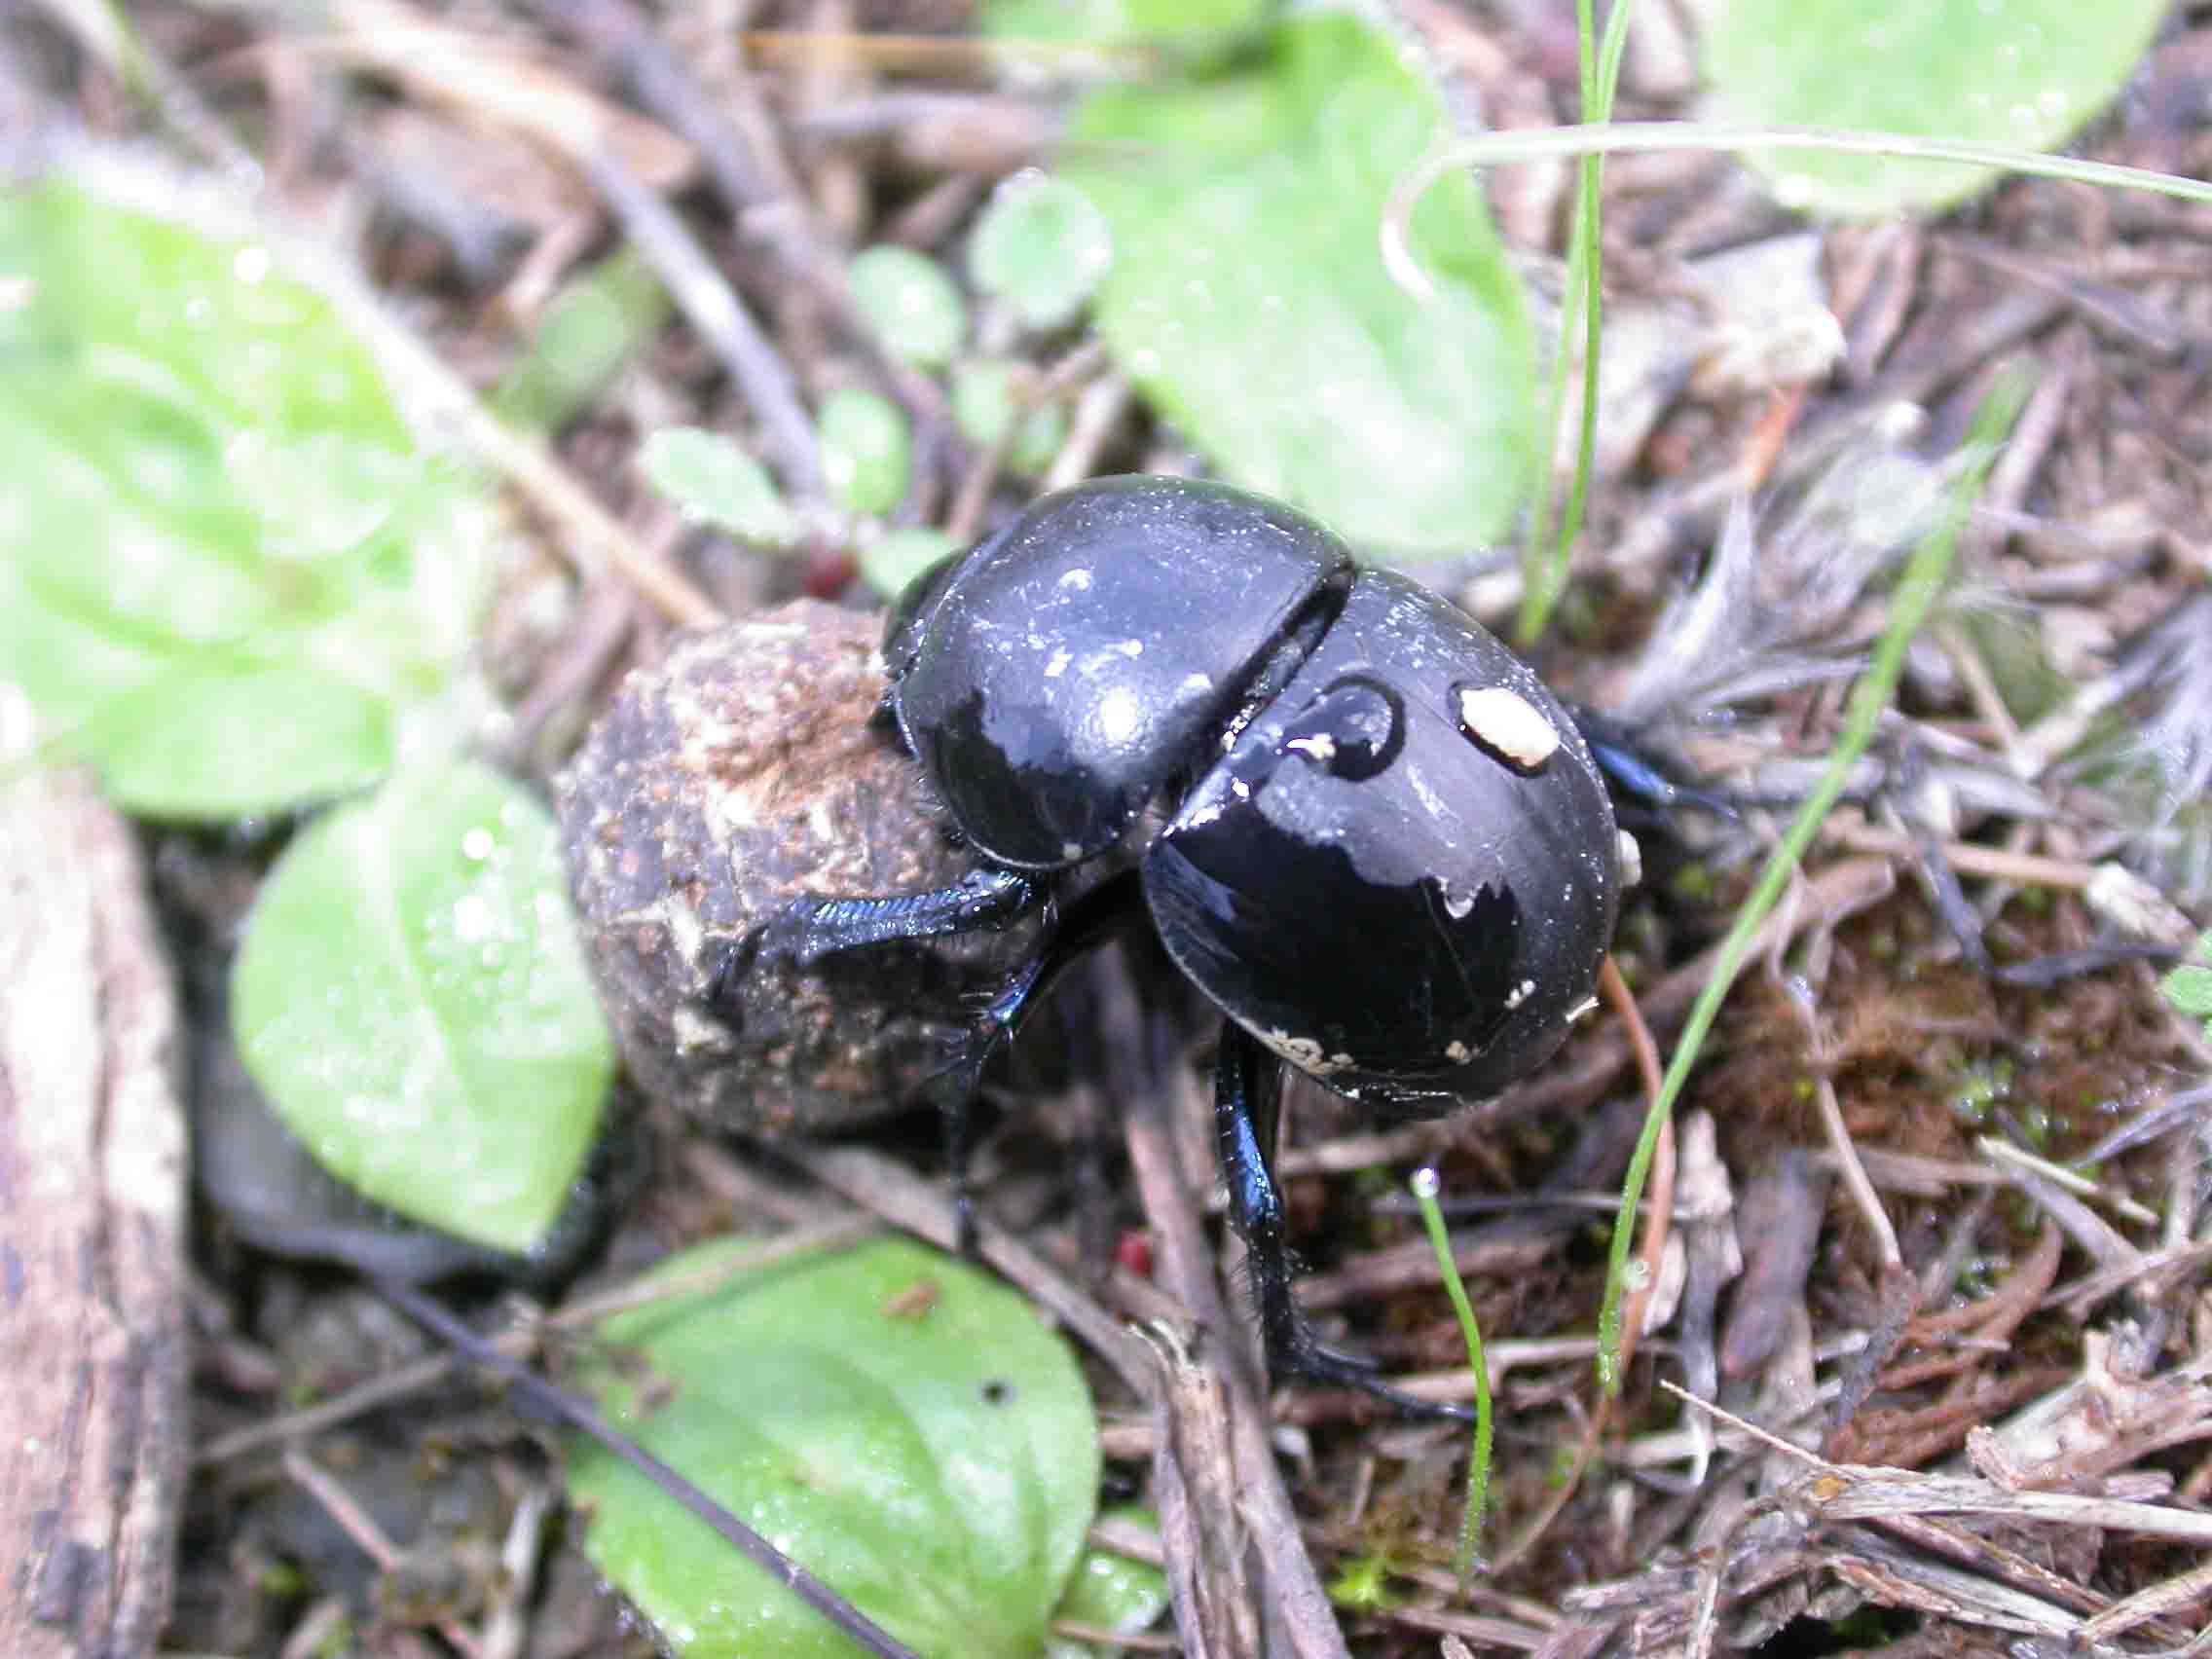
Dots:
pixel 1309 1359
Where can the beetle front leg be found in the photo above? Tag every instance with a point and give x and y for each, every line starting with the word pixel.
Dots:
pixel 1108 909
pixel 1247 1095
pixel 806 930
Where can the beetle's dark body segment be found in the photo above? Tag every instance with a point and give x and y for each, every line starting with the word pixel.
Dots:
pixel 1047 682
pixel 1358 822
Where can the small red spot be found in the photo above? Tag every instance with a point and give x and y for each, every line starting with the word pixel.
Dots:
pixel 1132 1253
pixel 830 571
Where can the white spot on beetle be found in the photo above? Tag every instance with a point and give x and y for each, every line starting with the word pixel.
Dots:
pixel 1079 580
pixel 1197 685
pixel 1305 1053
pixel 1508 725
pixel 1520 994
pixel 1320 747
pixel 1631 857
pixel 1058 664
pixel 1457 904
pixel 1071 851
pixel 1119 718
pixel 1131 648
pixel 1580 1009
pixel 1457 1052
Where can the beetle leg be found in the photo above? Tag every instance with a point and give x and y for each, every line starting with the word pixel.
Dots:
pixel 1247 1092
pixel 1633 775
pixel 806 930
pixel 1089 922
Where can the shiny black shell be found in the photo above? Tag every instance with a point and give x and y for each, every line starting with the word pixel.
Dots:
pixel 1388 852
pixel 1054 679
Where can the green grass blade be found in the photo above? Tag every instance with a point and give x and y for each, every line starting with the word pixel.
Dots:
pixel 1910 602
pixel 1424 1187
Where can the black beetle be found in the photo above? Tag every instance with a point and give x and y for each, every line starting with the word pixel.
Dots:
pixel 1358 822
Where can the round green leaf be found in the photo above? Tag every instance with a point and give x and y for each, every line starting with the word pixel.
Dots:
pixel 910 303
pixel 985 406
pixel 2190 989
pixel 412 997
pixel 1250 302
pixel 2028 73
pixel 1112 1592
pixel 596 325
pixel 896 1421
pixel 867 453
pixel 226 572
pixel 893 560
pixel 709 477
pixel 1042 247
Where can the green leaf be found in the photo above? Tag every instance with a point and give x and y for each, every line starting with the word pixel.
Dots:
pixel 867 453
pixel 1043 247
pixel 226 571
pixel 894 1419
pixel 2022 72
pixel 894 559
pixel 1250 302
pixel 1102 21
pixel 1112 1592
pixel 412 997
pixel 2190 989
pixel 709 477
pixel 593 327
pixel 985 406
pixel 910 303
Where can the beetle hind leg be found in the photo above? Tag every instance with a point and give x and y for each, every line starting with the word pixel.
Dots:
pixel 1248 1081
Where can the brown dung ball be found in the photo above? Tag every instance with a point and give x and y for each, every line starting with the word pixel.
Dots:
pixel 742 770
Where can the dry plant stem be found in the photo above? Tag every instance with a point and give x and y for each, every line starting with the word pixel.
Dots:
pixel 1622 1001
pixel 747 167
pixel 1968 858
pixel 1217 1607
pixel 1069 1630
pixel 1962 1576
pixel 587 1419
pixel 1694 509
pixel 704 295
pixel 591 538
pixel 1097 412
pixel 361 1527
pixel 623 43
pixel 896 1194
pixel 974 497
pixel 419 1375
pixel 1839 890
pixel 514 1588
pixel 2175 1595
pixel 1293 1590
pixel 1662 1192
pixel 1855 1181
pixel 2018 1158
pixel 94 1205
pixel 603 625
pixel 174 102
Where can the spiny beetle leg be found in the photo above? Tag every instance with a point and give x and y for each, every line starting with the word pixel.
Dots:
pixel 1089 922
pixel 806 930
pixel 1247 1092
